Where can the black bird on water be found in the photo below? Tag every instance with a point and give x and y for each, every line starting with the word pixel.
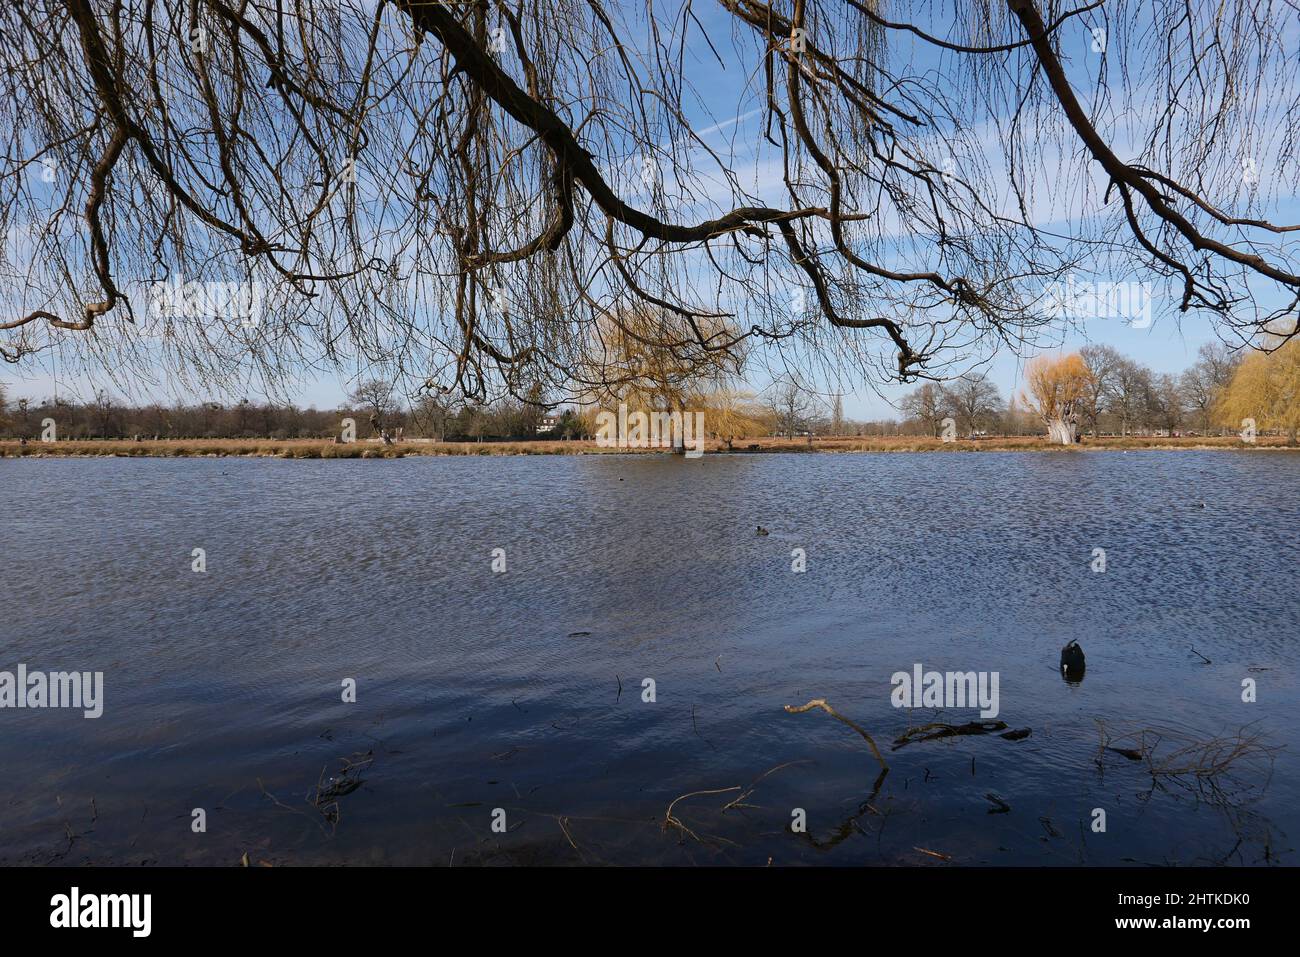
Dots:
pixel 1073 663
pixel 762 530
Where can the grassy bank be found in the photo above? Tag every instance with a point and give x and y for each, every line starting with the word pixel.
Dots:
pixel 322 449
pixel 288 448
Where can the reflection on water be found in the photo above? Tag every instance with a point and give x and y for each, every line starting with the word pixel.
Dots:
pixel 526 691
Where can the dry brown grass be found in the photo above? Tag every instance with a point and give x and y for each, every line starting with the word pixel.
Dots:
pixel 920 443
pixel 286 448
pixel 324 449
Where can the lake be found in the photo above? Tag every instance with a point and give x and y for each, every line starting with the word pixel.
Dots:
pixel 519 697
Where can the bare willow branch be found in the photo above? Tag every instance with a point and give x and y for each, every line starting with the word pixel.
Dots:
pixel 821 703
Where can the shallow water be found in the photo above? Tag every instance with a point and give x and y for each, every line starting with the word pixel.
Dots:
pixel 479 690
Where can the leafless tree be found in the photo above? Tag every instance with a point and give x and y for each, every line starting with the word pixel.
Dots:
pixel 791 407
pixel 974 401
pixel 1127 391
pixel 432 413
pixel 1219 363
pixel 1165 402
pixel 927 404
pixel 1103 362
pixel 458 194
pixel 103 409
pixel 375 397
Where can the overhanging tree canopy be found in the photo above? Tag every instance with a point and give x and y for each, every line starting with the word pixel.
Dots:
pixel 462 192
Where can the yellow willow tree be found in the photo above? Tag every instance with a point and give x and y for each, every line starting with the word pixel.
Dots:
pixel 1057 388
pixel 730 414
pixel 658 362
pixel 1265 388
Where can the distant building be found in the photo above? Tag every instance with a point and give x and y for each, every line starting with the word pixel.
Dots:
pixel 549 423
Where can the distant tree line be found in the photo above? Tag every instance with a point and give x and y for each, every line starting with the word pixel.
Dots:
pixel 1116 395
pixel 1109 394
pixel 374 406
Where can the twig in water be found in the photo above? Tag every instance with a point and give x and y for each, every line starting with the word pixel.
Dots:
pixel 697 728
pixel 999 806
pixel 821 703
pixel 670 821
pixel 940 855
pixel 1201 656
pixel 740 798
pixel 929 732
pixel 275 800
pixel 563 822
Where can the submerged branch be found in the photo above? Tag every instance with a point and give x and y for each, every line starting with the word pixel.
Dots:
pixel 821 703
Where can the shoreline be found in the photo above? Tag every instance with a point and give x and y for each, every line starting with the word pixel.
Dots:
pixel 373 449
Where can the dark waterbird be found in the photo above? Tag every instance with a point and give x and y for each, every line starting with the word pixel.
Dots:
pixel 1073 663
pixel 762 530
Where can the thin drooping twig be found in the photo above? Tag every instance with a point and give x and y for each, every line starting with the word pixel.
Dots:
pixel 278 803
pixel 821 703
pixel 670 821
pixel 564 826
pixel 697 728
pixel 739 801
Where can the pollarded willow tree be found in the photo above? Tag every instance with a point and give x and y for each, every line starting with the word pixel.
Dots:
pixel 467 195
pixel 1057 388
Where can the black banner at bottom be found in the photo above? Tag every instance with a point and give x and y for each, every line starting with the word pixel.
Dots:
pixel 303 906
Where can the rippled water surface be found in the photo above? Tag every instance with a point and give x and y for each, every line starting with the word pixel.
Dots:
pixel 523 690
